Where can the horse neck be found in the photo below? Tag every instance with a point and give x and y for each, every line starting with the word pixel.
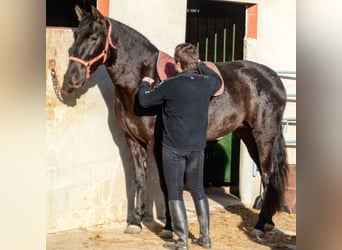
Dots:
pixel 133 49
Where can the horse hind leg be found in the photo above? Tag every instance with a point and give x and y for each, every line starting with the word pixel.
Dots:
pixel 139 155
pixel 274 167
pixel 267 149
pixel 245 133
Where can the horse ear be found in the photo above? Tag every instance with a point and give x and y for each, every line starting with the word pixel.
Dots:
pixel 97 14
pixel 79 12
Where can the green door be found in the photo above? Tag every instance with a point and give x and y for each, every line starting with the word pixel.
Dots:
pixel 221 163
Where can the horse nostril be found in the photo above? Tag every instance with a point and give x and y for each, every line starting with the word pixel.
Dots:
pixel 74 79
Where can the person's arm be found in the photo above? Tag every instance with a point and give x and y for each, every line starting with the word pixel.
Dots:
pixel 150 97
pixel 215 79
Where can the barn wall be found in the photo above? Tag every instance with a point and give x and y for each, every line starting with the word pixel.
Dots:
pixel 274 46
pixel 84 166
pixel 163 22
pixel 89 167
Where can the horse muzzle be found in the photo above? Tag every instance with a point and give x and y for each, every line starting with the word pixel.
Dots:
pixel 67 91
pixel 75 82
pixel 70 85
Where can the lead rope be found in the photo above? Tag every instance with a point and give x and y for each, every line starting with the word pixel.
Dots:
pixel 56 87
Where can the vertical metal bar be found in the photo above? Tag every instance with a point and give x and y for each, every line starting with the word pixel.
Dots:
pixel 255 169
pixel 206 48
pixel 187 33
pixel 233 45
pixel 198 46
pixel 206 40
pixel 224 44
pixel 215 42
pixel 197 33
pixel 215 47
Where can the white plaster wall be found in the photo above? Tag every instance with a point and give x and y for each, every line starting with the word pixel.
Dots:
pixel 85 172
pixel 275 47
pixel 163 22
pixel 276 39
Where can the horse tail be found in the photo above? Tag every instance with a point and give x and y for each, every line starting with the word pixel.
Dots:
pixel 278 175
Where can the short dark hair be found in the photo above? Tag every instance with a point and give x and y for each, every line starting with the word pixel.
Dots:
pixel 187 55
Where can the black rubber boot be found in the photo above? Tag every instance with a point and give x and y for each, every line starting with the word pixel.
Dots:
pixel 179 225
pixel 202 210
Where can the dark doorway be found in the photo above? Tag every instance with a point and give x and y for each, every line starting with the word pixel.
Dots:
pixel 217 29
pixel 62 12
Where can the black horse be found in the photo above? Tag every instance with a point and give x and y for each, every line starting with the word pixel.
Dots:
pixel 251 105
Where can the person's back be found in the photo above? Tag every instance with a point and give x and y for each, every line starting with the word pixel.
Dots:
pixel 185 101
pixel 185 113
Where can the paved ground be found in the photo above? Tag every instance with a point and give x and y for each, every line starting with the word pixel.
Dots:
pixel 222 209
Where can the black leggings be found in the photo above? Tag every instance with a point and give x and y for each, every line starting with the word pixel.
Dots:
pixel 176 163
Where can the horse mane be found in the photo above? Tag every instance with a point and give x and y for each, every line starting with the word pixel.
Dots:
pixel 131 40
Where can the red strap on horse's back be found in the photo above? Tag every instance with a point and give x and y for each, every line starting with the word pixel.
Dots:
pixel 166 69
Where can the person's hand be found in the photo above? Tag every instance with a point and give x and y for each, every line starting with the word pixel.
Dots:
pixel 148 79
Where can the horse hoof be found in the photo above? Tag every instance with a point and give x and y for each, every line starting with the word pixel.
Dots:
pixel 166 234
pixel 258 233
pixel 268 227
pixel 133 229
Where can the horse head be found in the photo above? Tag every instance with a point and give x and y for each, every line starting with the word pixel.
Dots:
pixel 91 48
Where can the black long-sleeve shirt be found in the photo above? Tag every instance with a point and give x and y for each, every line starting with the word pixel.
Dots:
pixel 185 100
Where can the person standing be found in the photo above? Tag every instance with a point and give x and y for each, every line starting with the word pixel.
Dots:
pixel 185 101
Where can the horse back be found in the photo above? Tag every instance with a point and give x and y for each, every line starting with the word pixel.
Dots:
pixel 249 82
pixel 251 91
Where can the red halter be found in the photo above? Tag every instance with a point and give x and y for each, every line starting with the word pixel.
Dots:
pixel 103 53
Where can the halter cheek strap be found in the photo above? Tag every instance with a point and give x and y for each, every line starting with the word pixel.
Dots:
pixel 103 54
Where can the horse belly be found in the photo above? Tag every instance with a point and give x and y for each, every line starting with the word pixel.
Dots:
pixel 222 122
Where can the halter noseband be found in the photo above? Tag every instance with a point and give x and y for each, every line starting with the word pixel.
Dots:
pixel 103 53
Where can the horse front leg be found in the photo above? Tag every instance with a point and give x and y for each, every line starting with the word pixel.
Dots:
pixel 139 155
